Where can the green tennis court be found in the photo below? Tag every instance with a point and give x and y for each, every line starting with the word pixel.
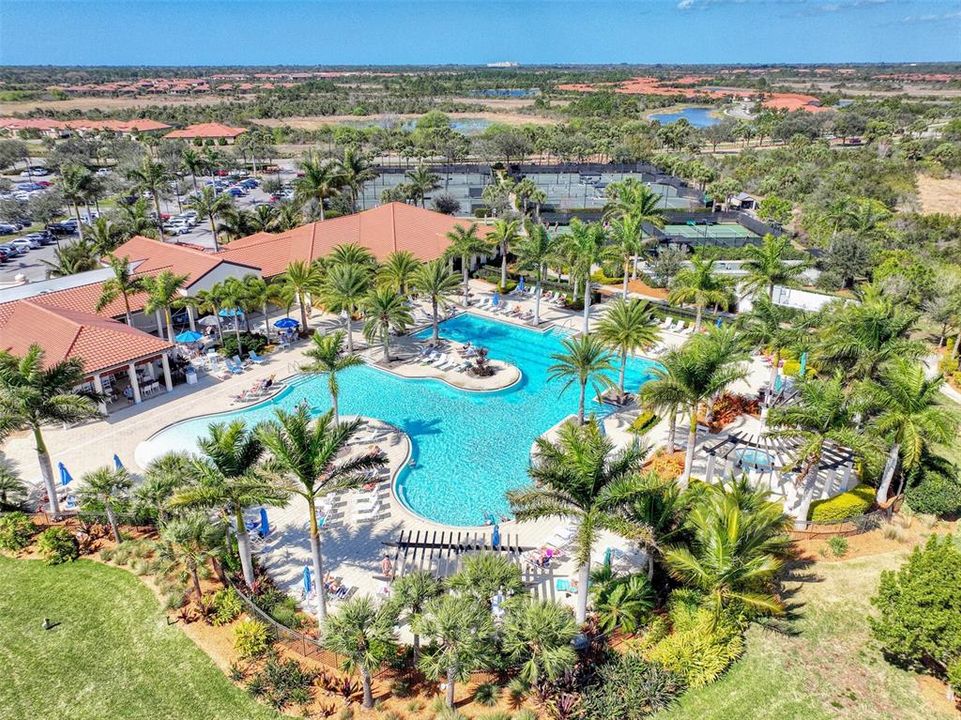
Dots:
pixel 720 231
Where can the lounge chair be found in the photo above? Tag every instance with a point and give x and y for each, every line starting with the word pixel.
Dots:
pixel 688 330
pixel 441 359
pixel 666 324
pixel 241 363
pixel 483 304
pixel 677 327
pixel 254 357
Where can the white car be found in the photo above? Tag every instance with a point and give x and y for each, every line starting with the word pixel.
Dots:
pixel 24 244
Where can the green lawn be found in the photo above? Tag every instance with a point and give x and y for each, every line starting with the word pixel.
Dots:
pixel 826 671
pixel 113 655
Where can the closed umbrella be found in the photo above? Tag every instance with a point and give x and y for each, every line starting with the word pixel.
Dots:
pixel 264 523
pixel 116 462
pixel 804 365
pixel 286 323
pixel 496 536
pixel 208 320
pixel 520 285
pixel 65 477
pixel 308 585
pixel 496 300
pixel 188 336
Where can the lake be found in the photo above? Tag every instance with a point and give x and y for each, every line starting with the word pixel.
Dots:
pixel 698 117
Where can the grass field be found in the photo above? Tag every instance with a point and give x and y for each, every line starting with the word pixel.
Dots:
pixel 113 655
pixel 826 670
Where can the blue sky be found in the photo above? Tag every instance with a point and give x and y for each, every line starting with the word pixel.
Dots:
pixel 262 32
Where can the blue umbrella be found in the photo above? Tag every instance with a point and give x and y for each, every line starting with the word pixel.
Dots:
pixel 778 383
pixel 804 365
pixel 718 323
pixel 286 323
pixel 116 462
pixel 188 336
pixel 65 477
pixel 496 300
pixel 229 312
pixel 496 536
pixel 264 523
pixel 520 285
pixel 308 585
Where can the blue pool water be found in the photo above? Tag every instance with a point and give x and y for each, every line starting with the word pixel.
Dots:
pixel 698 117
pixel 468 448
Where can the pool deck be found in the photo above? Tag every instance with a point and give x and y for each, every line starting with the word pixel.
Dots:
pixel 353 543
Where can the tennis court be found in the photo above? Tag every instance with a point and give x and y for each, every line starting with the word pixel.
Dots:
pixel 720 231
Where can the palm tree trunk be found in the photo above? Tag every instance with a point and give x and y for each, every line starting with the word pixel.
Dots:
pixel 302 301
pixel 318 564
pixel 240 347
pixel 126 307
pixel 433 305
pixel 503 265
pixel 587 306
pixel 213 230
pixel 243 548
pixel 775 364
pixel 160 221
pixel 46 471
pixel 266 321
pixel 626 265
pixel 112 519
pixel 890 467
pixel 196 578
pixel 350 335
pixel 451 679
pixel 386 339
pixel 193 176
pixel 368 693
pixel 697 319
pixel 170 324
pixel 685 478
pixel 620 383
pixel 76 210
pixel 803 503
pixel 321 206
pixel 466 287
pixel 537 301
pixel 672 431
pixel 333 402
pixel 580 403
pixel 583 580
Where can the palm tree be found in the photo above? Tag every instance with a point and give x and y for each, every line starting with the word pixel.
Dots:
pixel 766 265
pixel 104 235
pixel 823 413
pixel 700 286
pixel 320 181
pixel 208 301
pixel 906 410
pixel 628 326
pixel 262 294
pixel 13 490
pixel 135 218
pixel 193 162
pixel 398 271
pixel 210 204
pixel 123 284
pixel 301 278
pixel 437 283
pixel 482 575
pixel 736 549
pixel 263 218
pixel 343 291
pixel 355 170
pixel 659 511
pixel 580 477
pixel 33 395
pixel 187 545
pixel 634 205
pixel 773 328
pixel 105 487
pixel 328 358
pixel 235 222
pixel 410 594
pixel 163 292
pixel 364 634
pixel 422 182
pixel 72 258
pixel 534 252
pixel 537 635
pixel 152 176
pixel 461 630
pixel 163 477
pixel 504 234
pixel 586 246
pixel 230 478
pixel 625 233
pixel 74 181
pixel 352 254
pixel 621 602
pixel 386 312
pixel 235 300
pixel 308 455
pixel 584 360
pixel 465 244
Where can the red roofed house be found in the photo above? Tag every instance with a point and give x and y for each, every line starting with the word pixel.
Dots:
pixel 207 131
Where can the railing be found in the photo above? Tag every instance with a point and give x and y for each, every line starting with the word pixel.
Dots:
pixel 847 528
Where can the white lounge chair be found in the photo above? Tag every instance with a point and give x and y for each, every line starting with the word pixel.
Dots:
pixel 666 324
pixel 677 327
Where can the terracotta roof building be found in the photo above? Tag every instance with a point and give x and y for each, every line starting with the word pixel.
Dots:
pixel 126 127
pixel 382 230
pixel 203 131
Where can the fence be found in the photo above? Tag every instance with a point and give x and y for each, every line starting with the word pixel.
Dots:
pixel 845 528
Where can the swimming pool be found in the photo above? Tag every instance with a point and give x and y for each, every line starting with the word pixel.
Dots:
pixel 468 448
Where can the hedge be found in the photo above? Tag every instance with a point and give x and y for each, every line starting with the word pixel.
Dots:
pixel 644 422
pixel 846 505
pixel 935 494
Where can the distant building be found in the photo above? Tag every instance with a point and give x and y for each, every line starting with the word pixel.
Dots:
pixel 207 131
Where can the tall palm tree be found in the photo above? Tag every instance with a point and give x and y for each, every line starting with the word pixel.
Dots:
pixel 135 218
pixel 535 251
pixel 586 246
pixel 328 358
pixel 580 478
pixel 699 285
pixel 151 176
pixel 461 630
pixel 738 544
pixel 422 182
pixel 773 328
pixel 72 258
pixel 74 181
pixel 307 454
pixel 766 265
pixel 210 204
pixel 410 594
pixel 188 544
pixel 504 234
pixel 104 234
pixel 123 284
pixel 262 294
pixel 33 395
pixel 584 361
pixel 398 271
pixel 628 326
pixel 437 283
pixel 352 254
pixel 163 293
pixel 823 413
pixel 355 170
pixel 634 200
pixel 230 477
pixel 465 243
pixel 234 299
pixel 660 512
pixel 537 635
pixel 625 233
pixel 193 162
pixel 364 634
pixel 386 312
pixel 320 181
pixel 208 301
pixel 106 487
pixel 263 218
pixel 163 477
pixel 302 278
pixel 235 222
pixel 343 291
pixel 906 410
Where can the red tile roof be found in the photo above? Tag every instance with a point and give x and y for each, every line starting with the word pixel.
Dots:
pixel 382 230
pixel 100 343
pixel 151 255
pixel 122 126
pixel 207 130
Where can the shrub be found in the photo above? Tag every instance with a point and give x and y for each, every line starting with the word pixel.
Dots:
pixel 251 638
pixel 400 688
pixel 838 546
pixel 526 714
pixel 935 493
pixel 227 606
pixel 16 530
pixel 846 505
pixel 251 341
pixel 645 421
pixel 58 545
pixel 628 688
pixel 287 613
pixel 487 694
pixel 282 682
pixel 668 466
pixel 954 675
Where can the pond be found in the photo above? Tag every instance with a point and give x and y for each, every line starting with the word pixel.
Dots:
pixel 699 117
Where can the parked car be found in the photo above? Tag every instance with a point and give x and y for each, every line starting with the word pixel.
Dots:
pixel 7 229
pixel 12 250
pixel 24 244
pixel 62 228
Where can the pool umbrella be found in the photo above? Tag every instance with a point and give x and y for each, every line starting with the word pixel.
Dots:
pixel 264 523
pixel 229 313
pixel 778 383
pixel 208 320
pixel 116 462
pixel 286 323
pixel 65 477
pixel 520 285
pixel 308 586
pixel 188 336
pixel 496 299
pixel 804 365
pixel 496 536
